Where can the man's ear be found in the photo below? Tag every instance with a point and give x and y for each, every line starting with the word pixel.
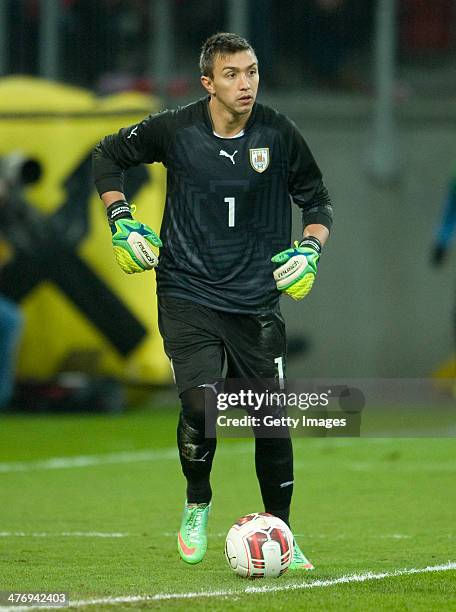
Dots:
pixel 206 82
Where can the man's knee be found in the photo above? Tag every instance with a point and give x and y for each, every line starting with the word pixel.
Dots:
pixel 193 407
pixel 195 445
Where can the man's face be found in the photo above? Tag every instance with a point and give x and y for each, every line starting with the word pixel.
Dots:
pixel 235 81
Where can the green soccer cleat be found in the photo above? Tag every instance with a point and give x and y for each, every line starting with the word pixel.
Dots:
pixel 300 561
pixel 192 538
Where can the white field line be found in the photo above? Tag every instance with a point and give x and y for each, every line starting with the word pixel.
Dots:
pixel 249 590
pixel 308 536
pixel 65 534
pixel 81 461
pixel 166 534
pixel 60 463
pixel 369 466
pixel 78 461
pixel 425 466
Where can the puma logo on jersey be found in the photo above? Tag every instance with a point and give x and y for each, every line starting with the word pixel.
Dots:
pixel 225 154
pixel 133 132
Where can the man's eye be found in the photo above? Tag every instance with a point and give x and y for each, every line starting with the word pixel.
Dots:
pixel 230 75
pixel 253 72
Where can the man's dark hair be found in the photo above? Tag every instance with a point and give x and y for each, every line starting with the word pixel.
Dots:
pixel 223 43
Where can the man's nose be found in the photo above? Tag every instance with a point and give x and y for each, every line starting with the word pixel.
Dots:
pixel 244 82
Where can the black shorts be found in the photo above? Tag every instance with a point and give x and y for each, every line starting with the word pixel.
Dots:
pixel 205 345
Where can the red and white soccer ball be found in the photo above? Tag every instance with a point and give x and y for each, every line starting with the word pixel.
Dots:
pixel 259 545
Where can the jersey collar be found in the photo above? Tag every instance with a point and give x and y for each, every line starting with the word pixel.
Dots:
pixel 208 120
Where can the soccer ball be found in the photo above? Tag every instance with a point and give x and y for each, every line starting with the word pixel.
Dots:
pixel 259 545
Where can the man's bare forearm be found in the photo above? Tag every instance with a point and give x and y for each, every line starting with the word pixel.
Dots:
pixel 319 231
pixel 109 197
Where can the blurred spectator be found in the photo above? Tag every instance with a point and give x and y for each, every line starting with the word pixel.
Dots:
pixel 10 328
pixel 10 321
pixel 445 233
pixel 16 171
pixel 447 225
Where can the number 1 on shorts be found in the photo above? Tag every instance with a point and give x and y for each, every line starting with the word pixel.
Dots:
pixel 279 362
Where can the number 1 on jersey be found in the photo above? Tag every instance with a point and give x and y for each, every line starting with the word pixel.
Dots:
pixel 230 202
pixel 279 363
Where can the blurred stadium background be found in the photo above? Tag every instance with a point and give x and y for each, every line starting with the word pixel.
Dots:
pixel 370 84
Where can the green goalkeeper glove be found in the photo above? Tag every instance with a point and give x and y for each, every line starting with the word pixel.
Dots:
pixel 131 240
pixel 297 273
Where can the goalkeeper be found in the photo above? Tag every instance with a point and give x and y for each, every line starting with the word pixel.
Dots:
pixel 234 166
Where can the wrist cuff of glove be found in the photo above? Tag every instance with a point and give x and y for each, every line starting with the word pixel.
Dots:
pixel 312 242
pixel 118 210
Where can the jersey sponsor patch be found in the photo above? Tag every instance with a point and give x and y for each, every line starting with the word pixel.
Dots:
pixel 259 159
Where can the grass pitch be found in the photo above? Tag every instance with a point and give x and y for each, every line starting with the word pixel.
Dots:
pixel 91 505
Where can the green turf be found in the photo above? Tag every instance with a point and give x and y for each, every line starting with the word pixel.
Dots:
pixel 360 505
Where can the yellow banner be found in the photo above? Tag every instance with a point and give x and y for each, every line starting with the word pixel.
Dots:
pixel 79 307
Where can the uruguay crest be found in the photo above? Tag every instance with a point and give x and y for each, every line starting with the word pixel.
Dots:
pixel 259 159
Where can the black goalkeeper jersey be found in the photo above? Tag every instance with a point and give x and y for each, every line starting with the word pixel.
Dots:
pixel 228 202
